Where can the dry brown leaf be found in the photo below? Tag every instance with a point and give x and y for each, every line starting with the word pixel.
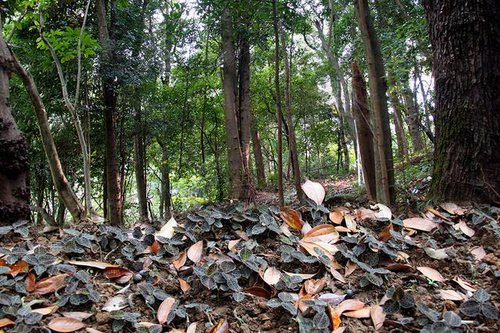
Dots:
pixel 378 316
pixel 314 191
pixel 478 252
pixel 221 327
pixel 92 330
pixel 231 245
pixel 383 212
pixel 360 313
pixel 385 234
pixel 328 249
pixel 323 233
pixel 337 214
pixel 291 217
pixel 304 276
pixel 164 309
pixel 364 213
pixel 167 231
pixel 465 284
pixel 94 264
pixel 192 328
pixel 451 295
pixel 337 275
pixel 349 305
pixel 195 252
pixel 272 276
pixel 431 273
pixel 20 266
pixel 341 228
pixel 350 223
pixel 453 209
pixel 63 324
pixel 115 272
pixel 419 223
pixel 30 283
pixel 185 286
pixel 334 317
pixel 50 284
pixel 350 267
pixel 438 214
pixel 314 286
pixel 464 228
pixel 6 322
pixel 180 260
pixel 46 310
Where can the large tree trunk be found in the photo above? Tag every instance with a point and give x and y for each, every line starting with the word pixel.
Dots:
pixel 114 196
pixel 8 60
pixel 465 38
pixel 378 90
pixel 244 117
pixel 365 133
pixel 229 85
pixel 279 112
pixel 292 141
pixel 14 168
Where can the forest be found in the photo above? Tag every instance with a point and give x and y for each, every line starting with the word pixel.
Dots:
pixel 249 166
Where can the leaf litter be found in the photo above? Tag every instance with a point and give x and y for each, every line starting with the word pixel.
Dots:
pixel 247 268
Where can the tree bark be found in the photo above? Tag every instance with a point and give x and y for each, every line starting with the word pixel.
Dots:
pixel 292 141
pixel 465 38
pixel 166 197
pixel 257 153
pixel 14 167
pixel 413 119
pixel 140 159
pixel 378 90
pixel 399 127
pixel 279 112
pixel 365 133
pixel 114 195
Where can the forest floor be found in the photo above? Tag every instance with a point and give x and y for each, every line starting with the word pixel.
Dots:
pixel 342 266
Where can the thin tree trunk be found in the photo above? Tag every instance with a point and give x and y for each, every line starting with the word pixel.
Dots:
pixel 257 153
pixel 166 197
pixel 139 159
pixel 292 142
pixel 114 194
pixel 14 167
pixel 378 90
pixel 279 112
pixel 9 61
pixel 398 126
pixel 365 133
pixel 413 119
pixel 466 47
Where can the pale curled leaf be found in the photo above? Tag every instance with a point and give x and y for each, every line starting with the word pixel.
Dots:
pixel 384 212
pixel 452 295
pixel 164 309
pixel 272 275
pixel 93 264
pixel 314 191
pixel 378 316
pixel 63 324
pixel 419 223
pixel 478 252
pixel 115 303
pixel 195 252
pixel 431 273
pixel 168 230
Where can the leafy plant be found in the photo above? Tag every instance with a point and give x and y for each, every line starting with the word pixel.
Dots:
pixel 398 298
pixel 479 305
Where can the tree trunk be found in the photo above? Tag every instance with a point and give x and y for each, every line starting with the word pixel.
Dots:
pixel 279 112
pixel 140 159
pixel 166 197
pixel 257 153
pixel 14 167
pixel 378 90
pixel 244 117
pixel 9 61
pixel 413 119
pixel 465 38
pixel 229 85
pixel 110 98
pixel 398 126
pixel 365 133
pixel 292 142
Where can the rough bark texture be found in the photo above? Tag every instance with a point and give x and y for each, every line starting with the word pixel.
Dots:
pixel 465 37
pixel 365 134
pixel 292 142
pixel 413 119
pixel 230 117
pixel 166 197
pixel 140 160
pixel 378 90
pixel 279 112
pixel 114 196
pixel 399 127
pixel 259 160
pixel 14 168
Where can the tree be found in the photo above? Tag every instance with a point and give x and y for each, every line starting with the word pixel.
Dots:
pixel 14 195
pixel 378 90
pixel 465 38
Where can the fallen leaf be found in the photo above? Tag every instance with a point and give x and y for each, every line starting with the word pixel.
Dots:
pixel 185 286
pixel 384 212
pixel 438 254
pixel 192 328
pixel 450 294
pixel 332 299
pixel 77 315
pixel 334 317
pixel 337 214
pixel 349 305
pixel 221 327
pixel 231 245
pixel 337 275
pixel 350 267
pixel 452 208
pixel 328 249
pixel 272 276
pixel 63 324
pixel 431 273
pixel 50 284
pixel 419 223
pixel 19 267
pixel 364 213
pixel 438 214
pixel 385 234
pixel 314 191
pixel 291 217
pixel 378 316
pixel 258 291
pixel 180 260
pixel 115 303
pixel 167 231
pixel 323 233
pixel 465 284
pixel 314 286
pixel 30 283
pixel 464 228
pixel 397 267
pixel 195 251
pixel 339 330
pixel 478 252
pixel 115 272
pixel 92 330
pixel 6 322
pixel 155 247
pixel 164 309
pixel 360 313
pixel 46 310
pixel 94 264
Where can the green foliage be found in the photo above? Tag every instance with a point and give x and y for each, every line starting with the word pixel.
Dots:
pixel 65 43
